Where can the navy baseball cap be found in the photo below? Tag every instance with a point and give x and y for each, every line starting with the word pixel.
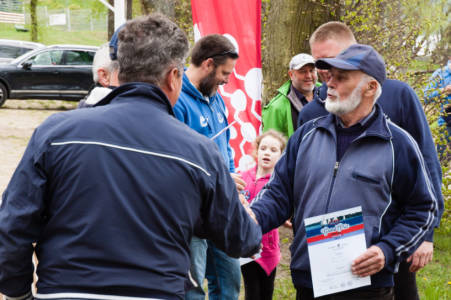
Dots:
pixel 113 43
pixel 357 57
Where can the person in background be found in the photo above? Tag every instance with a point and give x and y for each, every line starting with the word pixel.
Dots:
pixel 281 113
pixel 400 103
pixel 105 73
pixel 259 275
pixel 110 197
pixel 439 90
pixel 202 108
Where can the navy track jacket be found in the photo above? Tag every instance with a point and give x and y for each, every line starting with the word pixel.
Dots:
pixel 401 104
pixel 112 195
pixel 382 170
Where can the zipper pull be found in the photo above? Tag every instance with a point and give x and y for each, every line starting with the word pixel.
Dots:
pixel 337 164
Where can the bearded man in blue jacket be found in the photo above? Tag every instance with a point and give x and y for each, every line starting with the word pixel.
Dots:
pixel 400 103
pixel 202 108
pixel 353 156
pixel 112 195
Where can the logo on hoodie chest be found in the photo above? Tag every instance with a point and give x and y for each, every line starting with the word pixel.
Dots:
pixel 220 117
pixel 203 121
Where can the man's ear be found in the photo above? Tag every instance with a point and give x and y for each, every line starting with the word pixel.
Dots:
pixel 290 72
pixel 208 64
pixel 174 78
pixel 371 88
pixel 103 77
pixel 172 85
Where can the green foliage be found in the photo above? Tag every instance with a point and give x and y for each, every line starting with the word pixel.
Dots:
pixel 399 31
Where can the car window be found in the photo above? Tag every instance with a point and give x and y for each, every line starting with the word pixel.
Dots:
pixel 77 57
pixel 47 58
pixel 10 51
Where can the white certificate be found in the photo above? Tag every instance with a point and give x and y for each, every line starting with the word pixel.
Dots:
pixel 334 241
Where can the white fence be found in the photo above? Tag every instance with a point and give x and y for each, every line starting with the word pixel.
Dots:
pixel 15 18
pixel 64 19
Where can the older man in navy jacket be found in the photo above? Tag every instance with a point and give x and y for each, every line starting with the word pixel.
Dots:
pixel 352 157
pixel 402 106
pixel 113 194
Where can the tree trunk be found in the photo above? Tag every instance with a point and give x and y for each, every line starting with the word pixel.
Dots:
pixel 34 20
pixel 110 21
pixel 129 10
pixel 166 7
pixel 286 32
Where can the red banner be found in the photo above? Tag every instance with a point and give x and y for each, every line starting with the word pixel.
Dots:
pixel 239 21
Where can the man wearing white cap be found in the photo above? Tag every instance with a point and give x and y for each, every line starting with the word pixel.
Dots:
pixel 282 111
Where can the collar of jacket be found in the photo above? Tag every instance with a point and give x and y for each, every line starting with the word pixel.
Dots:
pixel 143 90
pixel 377 128
pixel 284 89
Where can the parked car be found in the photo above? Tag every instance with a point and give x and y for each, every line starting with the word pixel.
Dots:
pixel 59 72
pixel 10 49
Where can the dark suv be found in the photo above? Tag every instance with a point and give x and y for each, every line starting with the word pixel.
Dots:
pixel 10 49
pixel 59 72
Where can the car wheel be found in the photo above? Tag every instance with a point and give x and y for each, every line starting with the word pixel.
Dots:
pixel 3 94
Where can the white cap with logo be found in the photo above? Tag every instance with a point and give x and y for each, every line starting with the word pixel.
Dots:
pixel 300 60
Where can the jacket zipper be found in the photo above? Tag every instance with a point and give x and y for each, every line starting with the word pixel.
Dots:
pixel 337 164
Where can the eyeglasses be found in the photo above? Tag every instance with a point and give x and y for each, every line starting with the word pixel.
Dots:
pixel 230 53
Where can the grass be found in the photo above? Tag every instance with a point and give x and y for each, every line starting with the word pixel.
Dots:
pixel 434 281
pixel 55 35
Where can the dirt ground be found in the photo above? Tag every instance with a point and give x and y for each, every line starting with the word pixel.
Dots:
pixel 19 118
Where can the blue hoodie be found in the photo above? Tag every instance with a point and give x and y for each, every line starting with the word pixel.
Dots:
pixel 400 103
pixel 206 115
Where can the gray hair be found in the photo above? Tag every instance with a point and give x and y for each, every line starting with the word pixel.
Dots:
pixel 367 78
pixel 101 60
pixel 148 47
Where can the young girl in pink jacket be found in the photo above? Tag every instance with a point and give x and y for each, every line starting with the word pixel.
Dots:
pixel 259 275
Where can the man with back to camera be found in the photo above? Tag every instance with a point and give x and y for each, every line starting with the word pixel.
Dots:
pixel 104 72
pixel 400 103
pixel 202 108
pixel 352 157
pixel 126 234
pixel 281 113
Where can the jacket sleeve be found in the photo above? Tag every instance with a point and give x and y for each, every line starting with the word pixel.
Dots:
pixel 413 195
pixel 21 219
pixel 415 123
pixel 229 152
pixel 274 118
pixel 274 204
pixel 224 219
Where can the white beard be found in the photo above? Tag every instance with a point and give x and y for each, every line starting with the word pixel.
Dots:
pixel 340 107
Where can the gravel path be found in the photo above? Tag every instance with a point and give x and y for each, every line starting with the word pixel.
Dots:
pixel 18 119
